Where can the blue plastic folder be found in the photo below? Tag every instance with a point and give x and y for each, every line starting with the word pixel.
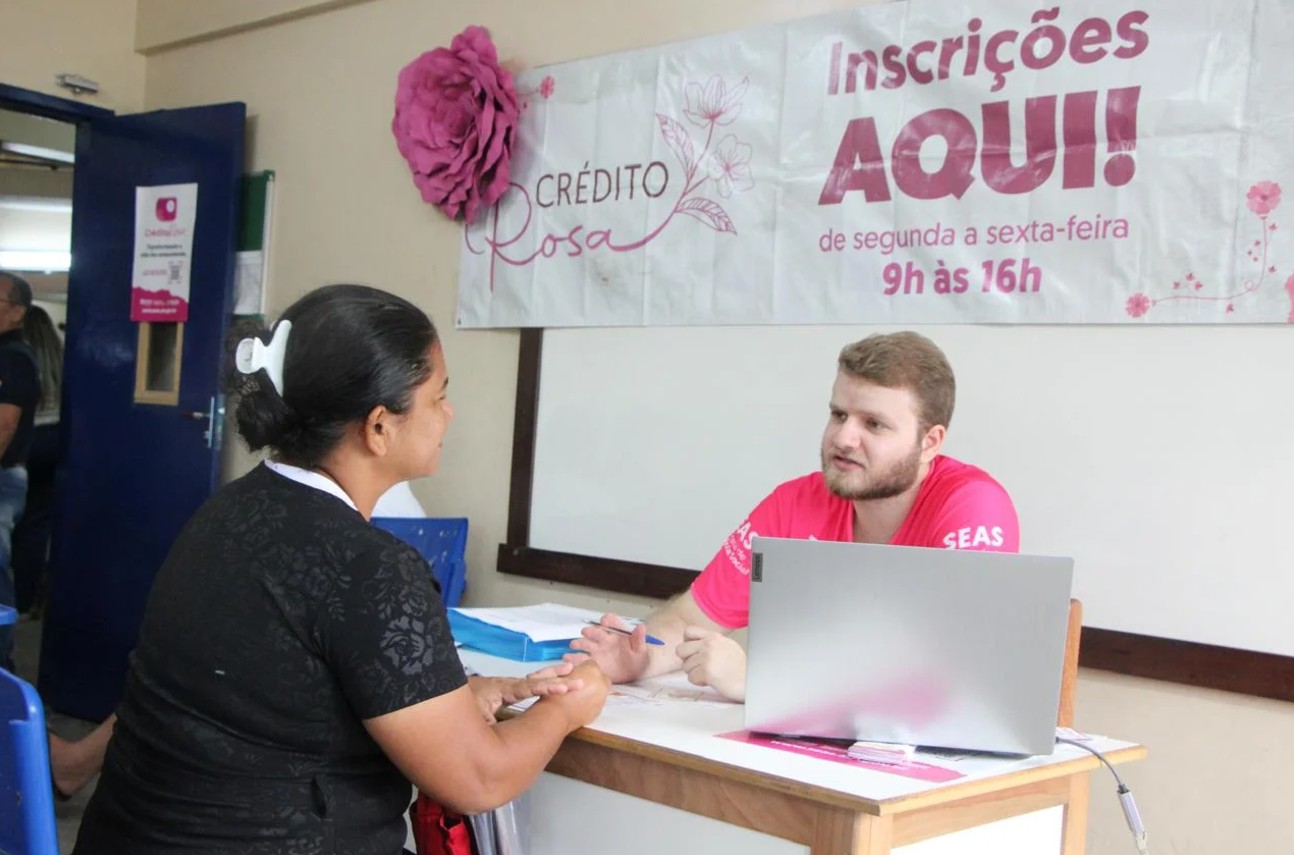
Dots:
pixel 502 642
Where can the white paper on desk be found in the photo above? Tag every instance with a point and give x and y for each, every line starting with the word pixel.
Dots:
pixel 615 698
pixel 544 622
pixel 655 692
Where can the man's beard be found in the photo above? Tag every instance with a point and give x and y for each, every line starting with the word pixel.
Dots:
pixel 898 478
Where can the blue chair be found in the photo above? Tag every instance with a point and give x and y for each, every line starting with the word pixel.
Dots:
pixel 26 792
pixel 443 542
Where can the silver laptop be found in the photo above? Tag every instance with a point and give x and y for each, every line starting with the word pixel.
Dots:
pixel 930 647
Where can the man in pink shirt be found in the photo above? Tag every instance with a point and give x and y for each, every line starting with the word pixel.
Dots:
pixel 883 480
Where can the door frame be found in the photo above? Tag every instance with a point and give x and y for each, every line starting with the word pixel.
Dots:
pixel 75 113
pixel 79 115
pixel 50 106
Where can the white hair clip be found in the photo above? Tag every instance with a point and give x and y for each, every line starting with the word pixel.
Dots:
pixel 253 354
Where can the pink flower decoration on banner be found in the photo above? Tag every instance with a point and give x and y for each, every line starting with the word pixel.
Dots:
pixel 730 166
pixel 1264 197
pixel 715 104
pixel 455 120
pixel 1138 305
pixel 546 87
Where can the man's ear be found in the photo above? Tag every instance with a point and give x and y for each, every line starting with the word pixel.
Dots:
pixel 377 431
pixel 932 443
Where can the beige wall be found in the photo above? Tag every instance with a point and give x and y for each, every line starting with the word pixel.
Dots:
pixel 163 24
pixel 92 38
pixel 319 92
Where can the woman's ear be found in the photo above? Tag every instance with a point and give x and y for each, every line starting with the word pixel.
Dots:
pixel 377 431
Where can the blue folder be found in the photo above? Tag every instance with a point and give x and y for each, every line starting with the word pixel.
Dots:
pixel 504 643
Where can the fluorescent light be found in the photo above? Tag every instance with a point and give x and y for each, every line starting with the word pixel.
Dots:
pixel 49 204
pixel 39 152
pixel 48 260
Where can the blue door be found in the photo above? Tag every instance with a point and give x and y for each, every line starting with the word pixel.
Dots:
pixel 133 471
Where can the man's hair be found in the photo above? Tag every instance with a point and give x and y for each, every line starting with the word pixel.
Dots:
pixel 906 360
pixel 19 289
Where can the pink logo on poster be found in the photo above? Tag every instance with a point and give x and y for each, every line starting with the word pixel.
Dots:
pixel 167 208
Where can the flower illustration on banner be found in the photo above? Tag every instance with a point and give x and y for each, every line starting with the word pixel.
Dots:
pixel 715 104
pixel 726 165
pixel 1138 305
pixel 455 120
pixel 544 90
pixel 730 166
pixel 1262 199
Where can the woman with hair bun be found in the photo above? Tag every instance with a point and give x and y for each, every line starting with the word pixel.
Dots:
pixel 295 670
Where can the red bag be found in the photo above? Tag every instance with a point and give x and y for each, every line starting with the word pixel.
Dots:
pixel 437 830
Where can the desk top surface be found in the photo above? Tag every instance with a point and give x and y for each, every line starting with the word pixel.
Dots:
pixel 667 718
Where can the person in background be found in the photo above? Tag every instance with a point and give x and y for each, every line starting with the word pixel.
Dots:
pixel 295 670
pixel 883 480
pixel 19 393
pixel 32 533
pixel 74 763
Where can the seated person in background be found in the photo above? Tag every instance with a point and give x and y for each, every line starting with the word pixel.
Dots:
pixel 295 669
pixel 883 480
pixel 74 763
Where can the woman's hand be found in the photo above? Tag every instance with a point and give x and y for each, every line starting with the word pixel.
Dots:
pixel 491 693
pixel 583 704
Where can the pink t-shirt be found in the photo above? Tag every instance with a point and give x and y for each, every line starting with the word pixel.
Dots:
pixel 958 506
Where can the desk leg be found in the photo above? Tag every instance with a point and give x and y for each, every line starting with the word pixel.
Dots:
pixel 838 831
pixel 1073 838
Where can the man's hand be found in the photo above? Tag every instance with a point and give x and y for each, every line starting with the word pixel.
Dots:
pixel 623 658
pixel 713 659
pixel 491 693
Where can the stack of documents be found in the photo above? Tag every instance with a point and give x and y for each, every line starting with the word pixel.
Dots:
pixel 883 752
pixel 525 633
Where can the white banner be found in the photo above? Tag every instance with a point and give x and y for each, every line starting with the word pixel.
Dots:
pixel 913 162
pixel 164 220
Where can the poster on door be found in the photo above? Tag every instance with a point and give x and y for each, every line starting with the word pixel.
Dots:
pixel 929 161
pixel 159 281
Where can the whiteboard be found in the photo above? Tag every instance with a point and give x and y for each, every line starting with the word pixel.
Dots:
pixel 1160 458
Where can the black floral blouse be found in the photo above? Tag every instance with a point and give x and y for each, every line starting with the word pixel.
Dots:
pixel 279 621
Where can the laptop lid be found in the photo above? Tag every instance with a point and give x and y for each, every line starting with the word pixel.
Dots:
pixel 931 647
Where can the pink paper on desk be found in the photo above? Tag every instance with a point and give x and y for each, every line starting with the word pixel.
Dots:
pixel 839 753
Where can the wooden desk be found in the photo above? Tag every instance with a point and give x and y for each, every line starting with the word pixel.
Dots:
pixel 669 754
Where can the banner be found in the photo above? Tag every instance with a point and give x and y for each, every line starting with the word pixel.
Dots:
pixel 989 161
pixel 164 218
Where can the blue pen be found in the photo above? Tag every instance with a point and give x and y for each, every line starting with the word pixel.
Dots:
pixel 651 639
